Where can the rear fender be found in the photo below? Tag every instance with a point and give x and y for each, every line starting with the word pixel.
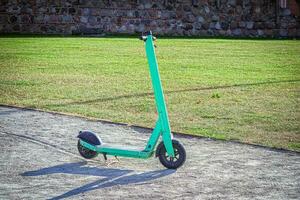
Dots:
pixel 90 137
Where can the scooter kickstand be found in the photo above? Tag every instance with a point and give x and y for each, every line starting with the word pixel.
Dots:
pixel 105 157
pixel 107 163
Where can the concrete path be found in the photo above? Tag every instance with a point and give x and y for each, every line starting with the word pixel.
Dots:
pixel 39 160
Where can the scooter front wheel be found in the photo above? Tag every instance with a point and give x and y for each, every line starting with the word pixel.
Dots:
pixel 168 161
pixel 85 152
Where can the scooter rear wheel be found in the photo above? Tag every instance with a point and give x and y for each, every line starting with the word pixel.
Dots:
pixel 86 153
pixel 172 162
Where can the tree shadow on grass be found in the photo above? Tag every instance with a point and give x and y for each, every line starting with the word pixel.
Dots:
pixel 169 92
pixel 112 177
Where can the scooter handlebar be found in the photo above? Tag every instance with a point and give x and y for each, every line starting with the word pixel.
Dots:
pixel 144 38
pixel 145 34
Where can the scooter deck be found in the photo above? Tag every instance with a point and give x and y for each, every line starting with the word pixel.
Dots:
pixel 113 146
pixel 115 150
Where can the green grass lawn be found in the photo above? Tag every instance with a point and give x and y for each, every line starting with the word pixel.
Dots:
pixel 246 90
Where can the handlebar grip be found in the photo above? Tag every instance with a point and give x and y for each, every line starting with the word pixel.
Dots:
pixel 144 38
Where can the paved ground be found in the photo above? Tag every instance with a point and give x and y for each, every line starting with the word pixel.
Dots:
pixel 39 160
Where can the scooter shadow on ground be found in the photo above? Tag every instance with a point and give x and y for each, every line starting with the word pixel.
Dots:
pixel 112 177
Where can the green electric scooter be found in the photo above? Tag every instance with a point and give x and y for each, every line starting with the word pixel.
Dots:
pixel 170 152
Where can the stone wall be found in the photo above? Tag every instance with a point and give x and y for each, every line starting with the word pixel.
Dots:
pixel 241 18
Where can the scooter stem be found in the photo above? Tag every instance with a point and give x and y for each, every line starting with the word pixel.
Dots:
pixel 163 118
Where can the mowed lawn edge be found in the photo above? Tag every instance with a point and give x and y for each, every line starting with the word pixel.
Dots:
pixel 245 90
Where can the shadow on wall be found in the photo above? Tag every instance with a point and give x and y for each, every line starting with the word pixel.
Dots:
pixel 111 176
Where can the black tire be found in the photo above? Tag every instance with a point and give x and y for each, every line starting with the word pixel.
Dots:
pixel 170 162
pixel 86 153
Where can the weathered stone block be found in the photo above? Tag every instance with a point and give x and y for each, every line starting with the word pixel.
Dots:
pixel 85 11
pixel 84 19
pixel 283 32
pixel 228 32
pixel 196 3
pixel 140 28
pixel 67 19
pixel 237 32
pixel 13 9
pixel 92 20
pixel 41 3
pixel 218 26
pixel 249 25
pixel 153 23
pixel 260 33
pixel 215 18
pixel 242 24
pixel 41 10
pixel 187 8
pixel 188 18
pixel 206 9
pixel 200 19
pixel 197 26
pixel 148 5
pixel 239 10
pixel 211 25
pixel 225 25
pixel 153 14
pixel 188 26
pixel 196 11
pixel 232 2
